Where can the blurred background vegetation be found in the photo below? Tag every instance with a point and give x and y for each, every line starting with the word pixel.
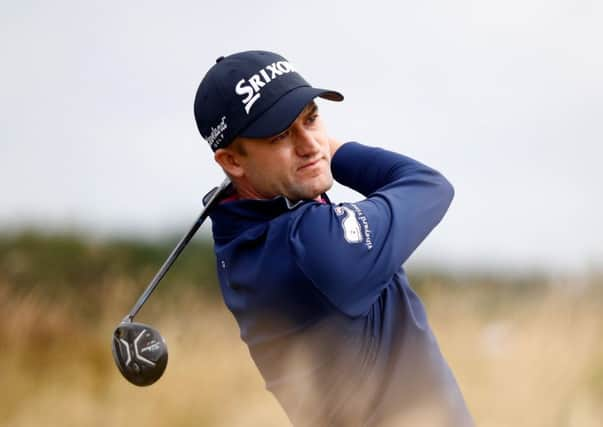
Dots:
pixel 526 348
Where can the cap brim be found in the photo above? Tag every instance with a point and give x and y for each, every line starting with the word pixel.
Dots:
pixel 284 111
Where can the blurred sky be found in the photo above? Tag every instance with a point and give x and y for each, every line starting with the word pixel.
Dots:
pixel 504 98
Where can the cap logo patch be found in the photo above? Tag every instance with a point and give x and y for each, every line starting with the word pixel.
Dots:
pixel 252 87
pixel 216 134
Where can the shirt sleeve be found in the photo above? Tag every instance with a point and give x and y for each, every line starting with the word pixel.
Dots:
pixel 351 251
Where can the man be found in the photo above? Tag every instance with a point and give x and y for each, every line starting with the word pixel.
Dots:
pixel 318 289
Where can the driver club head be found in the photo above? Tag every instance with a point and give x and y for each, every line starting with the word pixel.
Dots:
pixel 140 352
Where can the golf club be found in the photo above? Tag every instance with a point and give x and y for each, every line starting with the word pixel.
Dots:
pixel 139 350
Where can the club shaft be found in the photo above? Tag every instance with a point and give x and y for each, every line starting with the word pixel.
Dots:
pixel 176 252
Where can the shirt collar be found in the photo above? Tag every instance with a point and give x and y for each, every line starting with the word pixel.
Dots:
pixel 233 216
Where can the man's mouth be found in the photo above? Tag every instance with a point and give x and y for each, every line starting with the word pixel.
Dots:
pixel 309 164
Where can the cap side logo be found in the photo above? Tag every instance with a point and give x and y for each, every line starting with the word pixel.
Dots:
pixel 252 87
pixel 216 134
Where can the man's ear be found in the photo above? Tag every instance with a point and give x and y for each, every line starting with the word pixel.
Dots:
pixel 230 161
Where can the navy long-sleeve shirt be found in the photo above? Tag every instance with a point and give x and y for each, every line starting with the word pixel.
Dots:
pixel 323 302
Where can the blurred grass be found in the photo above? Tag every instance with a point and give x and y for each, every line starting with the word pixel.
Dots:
pixel 526 350
pixel 64 261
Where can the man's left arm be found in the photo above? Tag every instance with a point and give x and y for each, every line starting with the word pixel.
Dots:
pixel 351 251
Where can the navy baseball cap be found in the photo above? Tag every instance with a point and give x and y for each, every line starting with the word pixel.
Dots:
pixel 253 94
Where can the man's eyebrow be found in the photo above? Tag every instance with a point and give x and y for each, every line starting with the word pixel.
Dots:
pixel 311 108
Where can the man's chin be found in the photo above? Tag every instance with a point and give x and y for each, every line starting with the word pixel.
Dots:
pixel 311 191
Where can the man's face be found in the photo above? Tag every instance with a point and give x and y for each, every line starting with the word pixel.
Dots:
pixel 296 163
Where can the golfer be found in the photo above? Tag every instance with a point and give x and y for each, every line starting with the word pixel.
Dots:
pixel 317 287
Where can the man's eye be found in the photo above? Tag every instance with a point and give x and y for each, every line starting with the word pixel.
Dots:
pixel 312 118
pixel 280 136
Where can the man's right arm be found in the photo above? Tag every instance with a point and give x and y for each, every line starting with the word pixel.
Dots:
pixel 351 251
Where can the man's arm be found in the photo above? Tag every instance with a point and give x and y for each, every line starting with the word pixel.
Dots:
pixel 351 251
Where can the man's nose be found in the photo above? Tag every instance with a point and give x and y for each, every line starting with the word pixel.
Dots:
pixel 305 143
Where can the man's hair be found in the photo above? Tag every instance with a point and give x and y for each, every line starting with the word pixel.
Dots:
pixel 237 145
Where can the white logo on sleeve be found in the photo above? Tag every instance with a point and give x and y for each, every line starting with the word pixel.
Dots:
pixel 351 227
pixel 355 225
